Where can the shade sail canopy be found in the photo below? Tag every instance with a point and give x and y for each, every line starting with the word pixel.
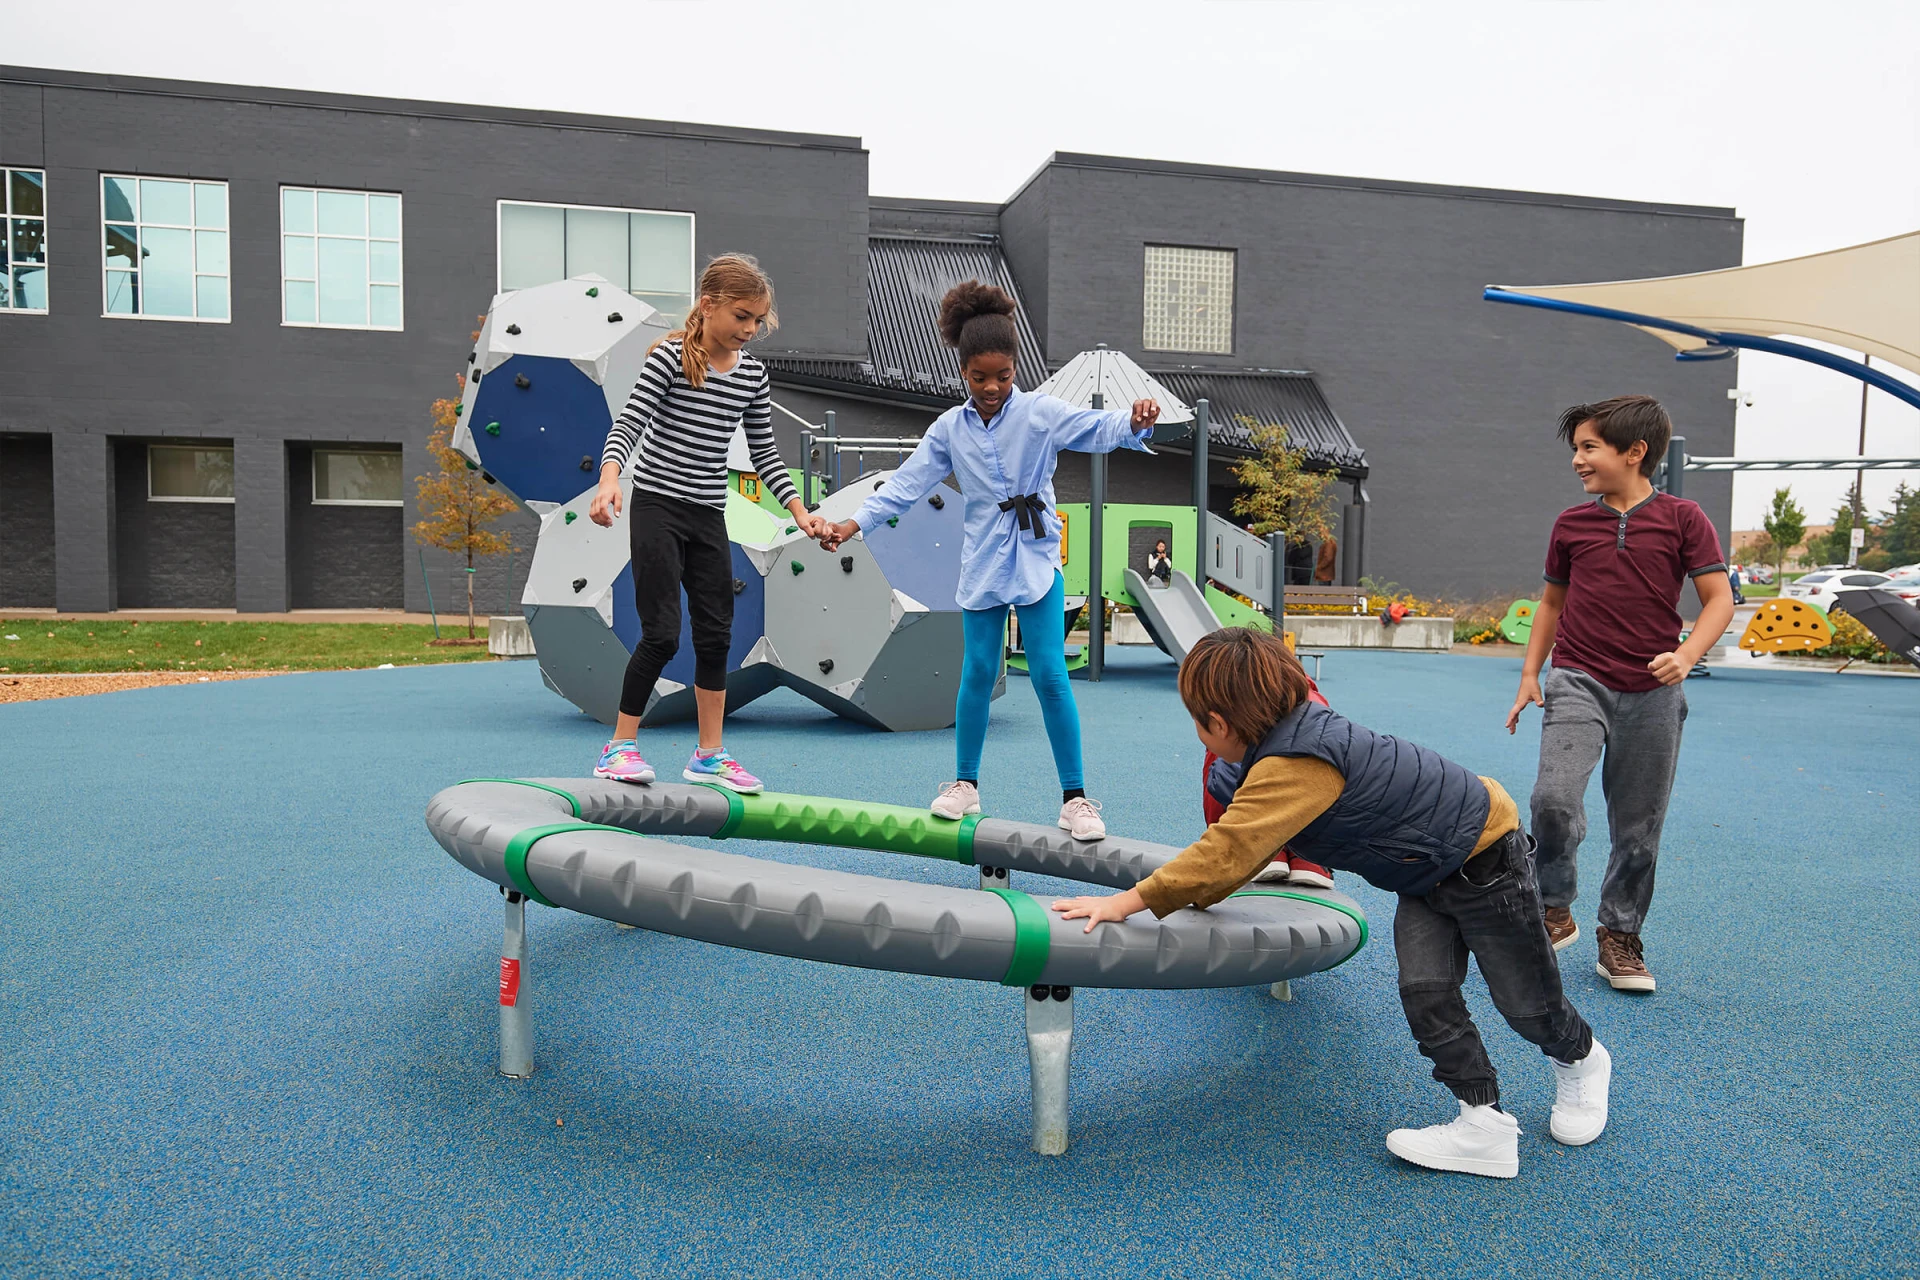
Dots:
pixel 1864 298
pixel 1119 382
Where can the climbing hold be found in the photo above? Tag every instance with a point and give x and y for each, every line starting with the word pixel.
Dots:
pixel 476 377
pixel 586 462
pixel 738 586
pixel 457 408
pixel 594 292
pixel 487 476
pixel 614 317
pixel 846 564
pixel 492 428
pixel 471 355
pixel 579 585
pixel 893 522
pixel 792 529
pixel 473 466
pixel 572 516
pixel 796 566
pixel 937 502
pixel 826 666
pixel 877 484
pixel 513 329
pixel 522 381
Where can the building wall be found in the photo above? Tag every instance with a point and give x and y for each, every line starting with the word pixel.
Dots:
pixel 340 557
pixel 26 522
pixel 1376 288
pixel 82 378
pixel 170 555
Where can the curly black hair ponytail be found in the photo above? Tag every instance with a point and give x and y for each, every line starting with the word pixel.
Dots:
pixel 976 318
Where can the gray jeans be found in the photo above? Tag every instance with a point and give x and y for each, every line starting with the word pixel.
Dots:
pixel 1638 734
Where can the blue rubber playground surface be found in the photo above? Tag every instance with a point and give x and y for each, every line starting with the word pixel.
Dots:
pixel 252 1021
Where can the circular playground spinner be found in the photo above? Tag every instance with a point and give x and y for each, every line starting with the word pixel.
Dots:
pixel 574 844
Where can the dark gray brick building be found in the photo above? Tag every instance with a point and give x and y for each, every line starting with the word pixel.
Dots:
pixel 228 309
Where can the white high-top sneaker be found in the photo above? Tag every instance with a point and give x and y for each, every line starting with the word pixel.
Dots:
pixel 1482 1140
pixel 1580 1097
pixel 955 801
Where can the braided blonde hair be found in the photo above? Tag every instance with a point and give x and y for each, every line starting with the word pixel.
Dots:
pixel 728 278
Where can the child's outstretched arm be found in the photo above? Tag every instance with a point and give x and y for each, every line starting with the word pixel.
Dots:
pixel 931 463
pixel 1101 430
pixel 757 422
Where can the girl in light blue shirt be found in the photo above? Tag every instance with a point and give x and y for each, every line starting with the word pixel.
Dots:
pixel 1002 445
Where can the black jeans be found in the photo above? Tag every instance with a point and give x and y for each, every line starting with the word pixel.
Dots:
pixel 1491 908
pixel 678 544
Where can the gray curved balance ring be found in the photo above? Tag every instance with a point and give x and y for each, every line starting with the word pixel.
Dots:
pixel 571 843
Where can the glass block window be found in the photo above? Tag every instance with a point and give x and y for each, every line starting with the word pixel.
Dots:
pixel 1189 300
pixel 189 473
pixel 357 478
pixel 340 258
pixel 647 253
pixel 23 240
pixel 166 248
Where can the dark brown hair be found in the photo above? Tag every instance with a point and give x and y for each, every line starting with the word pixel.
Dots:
pixel 1621 421
pixel 976 318
pixel 731 277
pixel 1249 678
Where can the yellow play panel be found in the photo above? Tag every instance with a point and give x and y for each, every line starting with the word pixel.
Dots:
pixel 1787 624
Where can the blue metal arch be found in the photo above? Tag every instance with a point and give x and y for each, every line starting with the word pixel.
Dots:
pixel 1902 391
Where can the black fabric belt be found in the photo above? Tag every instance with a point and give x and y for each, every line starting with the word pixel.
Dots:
pixel 1030 510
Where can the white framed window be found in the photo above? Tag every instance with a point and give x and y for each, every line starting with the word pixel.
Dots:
pixel 166 248
pixel 340 259
pixel 23 240
pixel 647 252
pixel 189 473
pixel 357 478
pixel 1189 300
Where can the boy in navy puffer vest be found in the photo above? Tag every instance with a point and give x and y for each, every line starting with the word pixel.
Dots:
pixel 1408 820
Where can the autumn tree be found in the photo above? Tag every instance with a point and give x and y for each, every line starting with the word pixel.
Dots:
pixel 1278 493
pixel 459 501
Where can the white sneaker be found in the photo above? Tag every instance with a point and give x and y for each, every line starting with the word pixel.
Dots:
pixel 1275 872
pixel 1080 818
pixel 1482 1140
pixel 955 801
pixel 1580 1097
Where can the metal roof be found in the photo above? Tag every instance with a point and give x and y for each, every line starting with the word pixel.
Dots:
pixel 1292 398
pixel 1117 380
pixel 906 278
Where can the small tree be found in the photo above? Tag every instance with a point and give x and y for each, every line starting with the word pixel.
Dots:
pixel 1900 526
pixel 459 502
pixel 1834 546
pixel 1279 494
pixel 1786 525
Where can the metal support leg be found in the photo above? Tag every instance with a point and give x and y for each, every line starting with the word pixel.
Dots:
pixel 993 878
pixel 1049 1042
pixel 1282 991
pixel 516 1023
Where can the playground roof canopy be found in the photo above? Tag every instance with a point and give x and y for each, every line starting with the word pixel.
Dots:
pixel 1865 298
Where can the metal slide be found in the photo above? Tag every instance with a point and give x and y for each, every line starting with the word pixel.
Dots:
pixel 1176 616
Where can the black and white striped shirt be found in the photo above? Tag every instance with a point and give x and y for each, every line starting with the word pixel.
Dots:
pixel 682 431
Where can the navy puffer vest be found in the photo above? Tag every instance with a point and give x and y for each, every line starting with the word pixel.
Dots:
pixel 1407 818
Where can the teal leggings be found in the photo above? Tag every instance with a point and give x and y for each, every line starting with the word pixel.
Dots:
pixel 1043 630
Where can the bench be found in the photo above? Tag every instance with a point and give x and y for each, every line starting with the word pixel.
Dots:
pixel 1347 597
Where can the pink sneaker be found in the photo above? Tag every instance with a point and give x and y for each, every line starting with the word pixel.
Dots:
pixel 721 770
pixel 622 762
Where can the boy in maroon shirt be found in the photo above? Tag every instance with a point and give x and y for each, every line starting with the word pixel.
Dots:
pixel 1615 567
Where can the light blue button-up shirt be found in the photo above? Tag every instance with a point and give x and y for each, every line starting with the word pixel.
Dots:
pixel 1014 454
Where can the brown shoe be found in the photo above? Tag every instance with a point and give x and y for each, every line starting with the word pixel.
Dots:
pixel 1620 962
pixel 1562 932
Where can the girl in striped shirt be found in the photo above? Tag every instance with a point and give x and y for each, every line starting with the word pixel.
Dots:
pixel 698 385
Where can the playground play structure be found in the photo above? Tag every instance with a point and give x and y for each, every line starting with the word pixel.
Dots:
pixel 576 845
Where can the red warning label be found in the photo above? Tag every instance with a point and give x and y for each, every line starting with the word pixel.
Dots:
pixel 509 982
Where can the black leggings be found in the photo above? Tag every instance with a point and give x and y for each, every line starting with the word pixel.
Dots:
pixel 678 544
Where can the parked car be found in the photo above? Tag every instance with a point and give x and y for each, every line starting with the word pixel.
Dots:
pixel 1818 587
pixel 1753 575
pixel 1905 583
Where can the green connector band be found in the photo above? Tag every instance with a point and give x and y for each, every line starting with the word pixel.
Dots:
pixel 1032 938
pixel 848 824
pixel 568 796
pixel 518 847
pixel 1349 912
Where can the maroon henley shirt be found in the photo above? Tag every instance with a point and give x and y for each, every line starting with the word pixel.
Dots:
pixel 1623 572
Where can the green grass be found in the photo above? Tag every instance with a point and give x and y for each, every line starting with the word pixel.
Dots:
pixel 1759 593
pixel 53 647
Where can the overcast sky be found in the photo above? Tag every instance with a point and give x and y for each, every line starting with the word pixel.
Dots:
pixel 1805 118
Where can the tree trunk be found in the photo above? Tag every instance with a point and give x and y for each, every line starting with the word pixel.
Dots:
pixel 469 595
